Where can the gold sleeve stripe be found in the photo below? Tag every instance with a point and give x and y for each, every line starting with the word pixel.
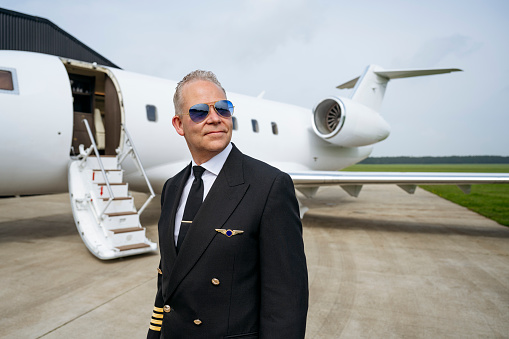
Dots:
pixel 157 315
pixel 156 322
pixel 159 271
pixel 155 328
pixel 158 309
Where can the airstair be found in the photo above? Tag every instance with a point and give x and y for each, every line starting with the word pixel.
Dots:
pixel 103 208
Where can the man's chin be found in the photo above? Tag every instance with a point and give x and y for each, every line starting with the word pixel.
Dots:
pixel 218 145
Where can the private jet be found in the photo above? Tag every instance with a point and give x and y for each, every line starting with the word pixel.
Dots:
pixel 98 132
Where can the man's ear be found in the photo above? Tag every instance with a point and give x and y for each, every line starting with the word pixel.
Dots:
pixel 177 123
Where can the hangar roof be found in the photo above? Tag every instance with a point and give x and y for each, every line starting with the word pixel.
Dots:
pixel 24 32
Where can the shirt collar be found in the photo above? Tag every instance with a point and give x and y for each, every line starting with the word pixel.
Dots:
pixel 215 164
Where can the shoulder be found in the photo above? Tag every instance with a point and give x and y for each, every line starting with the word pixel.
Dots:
pixel 251 163
pixel 177 178
pixel 257 170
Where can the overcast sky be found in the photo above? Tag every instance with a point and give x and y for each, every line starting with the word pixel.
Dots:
pixel 299 50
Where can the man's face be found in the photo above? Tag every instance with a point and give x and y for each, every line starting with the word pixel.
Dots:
pixel 210 136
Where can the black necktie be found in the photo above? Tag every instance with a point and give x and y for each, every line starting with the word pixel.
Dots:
pixel 193 203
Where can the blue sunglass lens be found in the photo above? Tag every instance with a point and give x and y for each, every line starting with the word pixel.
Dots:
pixel 224 108
pixel 198 112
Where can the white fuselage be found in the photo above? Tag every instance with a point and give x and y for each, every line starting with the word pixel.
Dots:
pixel 36 127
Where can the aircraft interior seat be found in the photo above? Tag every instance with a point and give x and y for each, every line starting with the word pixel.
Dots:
pixel 100 133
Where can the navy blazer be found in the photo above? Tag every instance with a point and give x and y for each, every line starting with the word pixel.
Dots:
pixel 249 285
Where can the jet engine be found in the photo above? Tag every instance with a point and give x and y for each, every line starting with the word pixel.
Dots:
pixel 347 123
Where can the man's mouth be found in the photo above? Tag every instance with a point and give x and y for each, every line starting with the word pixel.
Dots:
pixel 215 132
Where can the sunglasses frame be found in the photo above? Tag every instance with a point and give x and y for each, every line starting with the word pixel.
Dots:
pixel 210 104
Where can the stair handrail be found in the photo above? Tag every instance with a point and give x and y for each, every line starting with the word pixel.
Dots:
pixel 130 142
pixel 96 151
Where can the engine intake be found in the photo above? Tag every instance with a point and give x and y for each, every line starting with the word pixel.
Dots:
pixel 329 117
pixel 347 123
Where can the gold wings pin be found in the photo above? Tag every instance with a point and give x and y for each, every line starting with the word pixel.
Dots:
pixel 228 232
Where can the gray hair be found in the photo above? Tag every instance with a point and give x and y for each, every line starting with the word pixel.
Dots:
pixel 193 76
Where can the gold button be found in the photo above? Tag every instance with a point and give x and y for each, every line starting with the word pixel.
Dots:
pixel 215 281
pixel 167 308
pixel 197 322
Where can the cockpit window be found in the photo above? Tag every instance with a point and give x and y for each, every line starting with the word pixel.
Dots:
pixel 8 81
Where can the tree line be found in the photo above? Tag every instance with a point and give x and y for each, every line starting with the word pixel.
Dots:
pixel 470 159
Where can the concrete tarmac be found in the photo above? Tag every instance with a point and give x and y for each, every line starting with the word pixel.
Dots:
pixel 384 265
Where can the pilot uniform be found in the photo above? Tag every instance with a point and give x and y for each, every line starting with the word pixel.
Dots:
pixel 241 270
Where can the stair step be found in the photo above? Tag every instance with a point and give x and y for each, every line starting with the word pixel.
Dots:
pixel 117 205
pixel 127 229
pixel 122 220
pixel 114 176
pixel 119 214
pixel 132 235
pixel 115 199
pixel 120 190
pixel 109 162
pixel 111 184
pixel 132 247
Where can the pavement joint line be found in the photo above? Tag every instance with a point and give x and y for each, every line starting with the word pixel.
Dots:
pixel 93 309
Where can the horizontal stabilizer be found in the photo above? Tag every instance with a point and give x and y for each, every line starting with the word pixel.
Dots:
pixel 369 88
pixel 402 73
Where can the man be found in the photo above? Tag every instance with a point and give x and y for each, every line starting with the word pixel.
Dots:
pixel 235 268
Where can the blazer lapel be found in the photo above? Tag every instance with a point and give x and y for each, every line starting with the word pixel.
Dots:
pixel 167 231
pixel 222 199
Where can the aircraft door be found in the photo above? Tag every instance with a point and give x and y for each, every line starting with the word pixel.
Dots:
pixel 112 118
pixel 96 100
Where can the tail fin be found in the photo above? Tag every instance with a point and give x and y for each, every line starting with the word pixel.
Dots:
pixel 369 88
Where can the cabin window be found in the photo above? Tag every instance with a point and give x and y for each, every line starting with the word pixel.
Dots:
pixel 151 113
pixel 234 123
pixel 274 128
pixel 254 123
pixel 8 82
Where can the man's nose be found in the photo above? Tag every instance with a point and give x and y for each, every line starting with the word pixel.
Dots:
pixel 213 117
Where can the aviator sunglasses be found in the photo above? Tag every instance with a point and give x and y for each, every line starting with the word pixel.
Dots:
pixel 199 112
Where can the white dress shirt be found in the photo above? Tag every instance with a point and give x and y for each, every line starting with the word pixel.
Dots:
pixel 212 169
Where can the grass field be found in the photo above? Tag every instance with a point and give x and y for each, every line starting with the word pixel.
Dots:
pixel 492 201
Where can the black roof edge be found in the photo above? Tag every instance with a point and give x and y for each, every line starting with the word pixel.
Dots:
pixel 46 21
